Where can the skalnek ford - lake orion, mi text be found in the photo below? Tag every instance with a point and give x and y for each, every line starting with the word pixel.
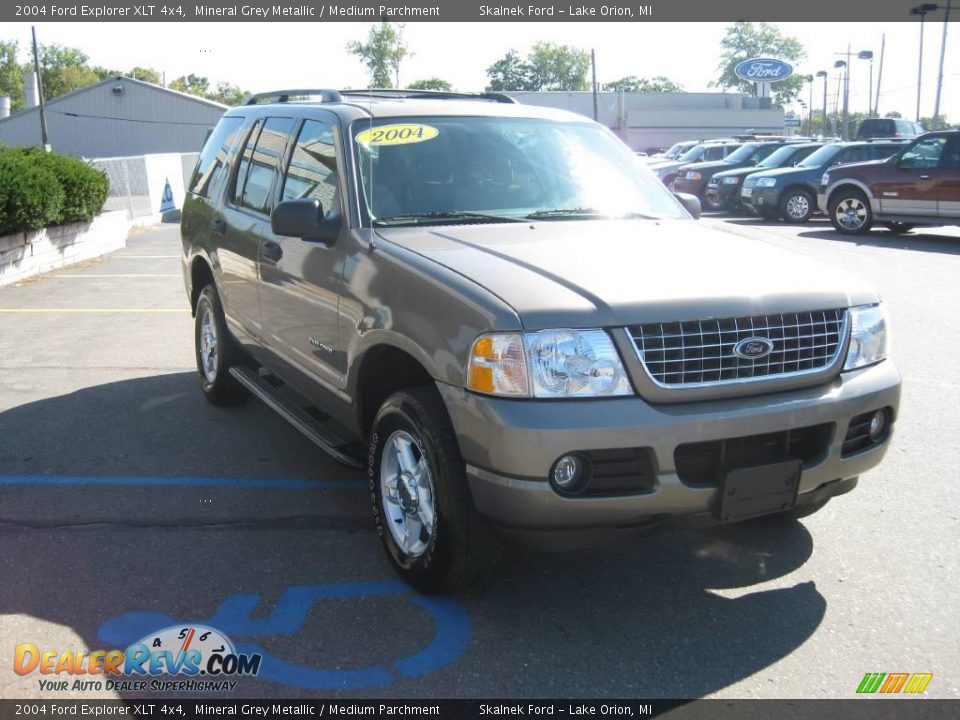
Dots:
pixel 567 10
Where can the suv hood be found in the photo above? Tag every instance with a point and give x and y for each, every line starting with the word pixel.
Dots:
pixel 856 165
pixel 740 172
pixel 607 273
pixel 780 172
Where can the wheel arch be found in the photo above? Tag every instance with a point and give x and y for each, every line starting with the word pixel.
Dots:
pixel 383 369
pixel 201 275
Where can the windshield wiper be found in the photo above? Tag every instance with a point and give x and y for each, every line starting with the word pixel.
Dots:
pixel 583 212
pixel 463 215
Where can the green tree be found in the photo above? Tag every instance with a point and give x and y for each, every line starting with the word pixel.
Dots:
pixel 192 84
pixel 939 122
pixel 745 40
pixel 559 67
pixel 382 53
pixel 11 75
pixel 103 73
pixel 228 94
pixel 146 74
pixel 63 69
pixel 433 83
pixel 511 73
pixel 632 83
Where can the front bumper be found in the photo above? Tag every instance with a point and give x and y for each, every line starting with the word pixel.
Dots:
pixel 765 199
pixel 822 200
pixel 692 187
pixel 509 446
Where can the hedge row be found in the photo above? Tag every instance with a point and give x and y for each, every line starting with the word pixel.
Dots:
pixel 39 189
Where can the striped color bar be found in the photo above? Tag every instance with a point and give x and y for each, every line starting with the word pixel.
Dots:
pixel 891 683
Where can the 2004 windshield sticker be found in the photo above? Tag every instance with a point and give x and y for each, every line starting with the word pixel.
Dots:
pixel 402 134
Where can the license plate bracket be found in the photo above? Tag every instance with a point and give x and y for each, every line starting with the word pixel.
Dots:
pixel 759 490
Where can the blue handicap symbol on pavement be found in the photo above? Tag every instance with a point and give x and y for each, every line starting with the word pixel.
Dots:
pixel 233 618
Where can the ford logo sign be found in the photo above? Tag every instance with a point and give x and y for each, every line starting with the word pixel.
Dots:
pixel 765 70
pixel 754 348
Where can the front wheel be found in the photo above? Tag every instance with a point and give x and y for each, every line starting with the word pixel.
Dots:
pixel 216 351
pixel 425 516
pixel 796 206
pixel 850 212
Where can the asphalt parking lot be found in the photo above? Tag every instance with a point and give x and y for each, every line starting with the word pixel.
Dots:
pixel 127 502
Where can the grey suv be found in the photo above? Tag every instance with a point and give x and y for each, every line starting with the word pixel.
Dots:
pixel 516 329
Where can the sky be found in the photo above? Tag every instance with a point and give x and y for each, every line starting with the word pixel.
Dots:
pixel 261 56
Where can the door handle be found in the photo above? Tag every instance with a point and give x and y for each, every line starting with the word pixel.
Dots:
pixel 219 226
pixel 271 251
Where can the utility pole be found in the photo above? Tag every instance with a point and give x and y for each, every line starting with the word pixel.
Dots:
pixel 883 47
pixel 593 67
pixel 43 112
pixel 943 51
pixel 846 96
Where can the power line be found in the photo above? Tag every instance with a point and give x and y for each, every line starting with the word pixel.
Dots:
pixel 120 119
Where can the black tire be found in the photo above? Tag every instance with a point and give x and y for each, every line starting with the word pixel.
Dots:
pixel 707 204
pixel 899 227
pixel 796 206
pixel 850 212
pixel 218 385
pixel 460 548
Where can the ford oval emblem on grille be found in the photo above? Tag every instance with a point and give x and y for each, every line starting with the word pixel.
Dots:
pixel 753 348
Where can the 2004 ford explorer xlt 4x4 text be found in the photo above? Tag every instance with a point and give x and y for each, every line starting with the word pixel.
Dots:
pixel 517 329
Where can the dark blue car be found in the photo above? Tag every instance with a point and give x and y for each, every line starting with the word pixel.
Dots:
pixel 791 192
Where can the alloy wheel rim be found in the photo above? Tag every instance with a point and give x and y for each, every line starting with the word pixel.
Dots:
pixel 851 213
pixel 208 345
pixel 406 486
pixel 798 206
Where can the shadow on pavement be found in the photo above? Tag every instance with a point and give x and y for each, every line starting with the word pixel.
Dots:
pixel 641 619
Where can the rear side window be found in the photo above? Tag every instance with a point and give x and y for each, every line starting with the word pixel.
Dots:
pixel 714 153
pixel 313 166
pixel 853 154
pixel 214 155
pixel 260 165
pixel 882 152
pixel 951 155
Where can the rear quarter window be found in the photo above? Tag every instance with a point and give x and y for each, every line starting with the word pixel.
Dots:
pixel 213 156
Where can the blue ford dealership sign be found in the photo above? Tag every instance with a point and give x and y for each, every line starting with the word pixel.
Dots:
pixel 763 70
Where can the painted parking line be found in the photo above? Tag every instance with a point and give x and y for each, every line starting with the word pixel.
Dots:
pixel 94 310
pixel 121 275
pixel 141 257
pixel 141 481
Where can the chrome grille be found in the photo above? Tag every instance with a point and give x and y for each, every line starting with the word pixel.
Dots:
pixel 701 351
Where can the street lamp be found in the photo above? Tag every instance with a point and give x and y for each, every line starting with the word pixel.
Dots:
pixel 868 55
pixel 943 51
pixel 823 74
pixel 922 11
pixel 843 80
pixel 809 79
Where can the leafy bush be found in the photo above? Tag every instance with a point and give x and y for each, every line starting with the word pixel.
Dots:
pixel 38 189
pixel 31 196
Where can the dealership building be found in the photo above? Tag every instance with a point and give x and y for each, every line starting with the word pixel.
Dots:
pixel 648 120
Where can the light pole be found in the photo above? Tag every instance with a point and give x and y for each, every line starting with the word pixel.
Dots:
pixel 809 79
pixel 922 11
pixel 843 80
pixel 943 51
pixel 803 107
pixel 868 55
pixel 823 74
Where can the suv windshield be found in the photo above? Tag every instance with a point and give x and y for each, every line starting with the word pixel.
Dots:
pixel 750 151
pixel 820 157
pixel 496 169
pixel 778 157
pixel 693 154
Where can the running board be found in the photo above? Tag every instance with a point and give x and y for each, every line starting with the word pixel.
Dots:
pixel 323 437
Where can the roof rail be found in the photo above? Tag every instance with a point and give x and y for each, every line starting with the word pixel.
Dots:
pixel 430 94
pixel 282 96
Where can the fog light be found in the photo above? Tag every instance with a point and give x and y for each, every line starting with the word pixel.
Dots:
pixel 878 425
pixel 568 472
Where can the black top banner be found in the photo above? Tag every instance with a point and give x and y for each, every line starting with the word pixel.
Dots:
pixel 639 11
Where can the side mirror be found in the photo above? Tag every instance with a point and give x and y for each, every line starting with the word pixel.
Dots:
pixel 304 218
pixel 691 203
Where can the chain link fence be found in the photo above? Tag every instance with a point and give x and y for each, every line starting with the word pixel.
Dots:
pixel 138 184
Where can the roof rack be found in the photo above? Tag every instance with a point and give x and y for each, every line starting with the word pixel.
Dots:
pixel 430 94
pixel 282 96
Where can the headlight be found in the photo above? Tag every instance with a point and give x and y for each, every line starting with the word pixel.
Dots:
pixel 547 364
pixel 825 180
pixel 766 182
pixel 693 175
pixel 868 336
pixel 731 180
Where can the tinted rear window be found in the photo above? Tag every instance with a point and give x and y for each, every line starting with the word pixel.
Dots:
pixel 213 157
